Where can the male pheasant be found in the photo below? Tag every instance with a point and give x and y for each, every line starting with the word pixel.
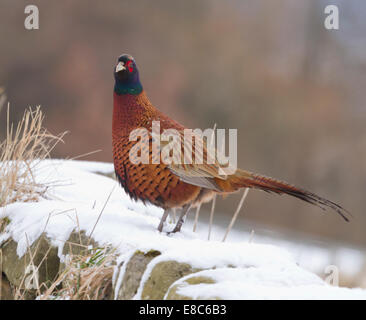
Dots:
pixel 172 186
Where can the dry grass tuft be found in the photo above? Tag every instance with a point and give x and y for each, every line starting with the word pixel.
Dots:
pixel 86 277
pixel 24 147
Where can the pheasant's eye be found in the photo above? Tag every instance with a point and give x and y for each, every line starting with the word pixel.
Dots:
pixel 129 65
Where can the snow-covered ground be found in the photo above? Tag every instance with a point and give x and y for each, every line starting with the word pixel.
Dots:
pixel 264 282
pixel 83 200
pixel 314 254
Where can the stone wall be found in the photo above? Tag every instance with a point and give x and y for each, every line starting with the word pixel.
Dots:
pixel 40 267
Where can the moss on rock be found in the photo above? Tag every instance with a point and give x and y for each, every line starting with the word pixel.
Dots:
pixel 135 268
pixel 173 293
pixel 162 276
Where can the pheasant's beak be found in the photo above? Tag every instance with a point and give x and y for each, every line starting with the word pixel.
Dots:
pixel 120 66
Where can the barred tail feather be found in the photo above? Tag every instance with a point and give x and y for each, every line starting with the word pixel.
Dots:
pixel 246 179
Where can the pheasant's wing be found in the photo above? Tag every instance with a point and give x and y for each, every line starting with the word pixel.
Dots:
pixel 190 175
pixel 193 159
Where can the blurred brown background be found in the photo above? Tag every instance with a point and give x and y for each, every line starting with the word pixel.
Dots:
pixel 295 91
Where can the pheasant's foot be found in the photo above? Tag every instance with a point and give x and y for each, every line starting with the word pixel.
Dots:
pixel 180 222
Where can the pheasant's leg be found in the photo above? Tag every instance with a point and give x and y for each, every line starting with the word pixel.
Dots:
pixel 163 218
pixel 196 217
pixel 179 224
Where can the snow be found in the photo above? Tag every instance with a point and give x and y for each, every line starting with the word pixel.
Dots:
pixel 79 199
pixel 264 283
pixel 312 253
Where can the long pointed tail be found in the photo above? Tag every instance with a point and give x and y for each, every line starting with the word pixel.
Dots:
pixel 243 179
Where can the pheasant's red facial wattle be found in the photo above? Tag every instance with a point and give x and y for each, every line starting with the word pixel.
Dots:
pixel 129 65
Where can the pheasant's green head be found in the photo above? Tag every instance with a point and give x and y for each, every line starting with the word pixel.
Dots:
pixel 126 76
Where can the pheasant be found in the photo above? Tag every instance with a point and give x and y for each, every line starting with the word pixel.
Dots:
pixel 171 186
